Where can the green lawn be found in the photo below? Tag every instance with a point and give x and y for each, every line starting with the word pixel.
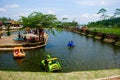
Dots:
pixel 107 30
pixel 79 75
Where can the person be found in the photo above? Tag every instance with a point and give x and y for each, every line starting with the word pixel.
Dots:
pixel 25 38
pixel 16 51
pixel 0 35
pixel 19 35
pixel 72 44
pixel 35 32
pixel 46 62
pixel 69 44
pixel 25 32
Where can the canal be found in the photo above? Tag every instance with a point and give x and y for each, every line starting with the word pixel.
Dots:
pixel 88 54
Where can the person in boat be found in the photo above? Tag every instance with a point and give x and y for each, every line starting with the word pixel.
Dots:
pixel 16 51
pixel 71 44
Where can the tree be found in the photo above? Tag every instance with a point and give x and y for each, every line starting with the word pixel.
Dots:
pixel 64 19
pixel 102 12
pixel 115 22
pixel 3 19
pixel 117 13
pixel 39 20
pixel 7 23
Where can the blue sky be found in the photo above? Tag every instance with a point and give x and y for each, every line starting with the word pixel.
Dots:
pixel 82 11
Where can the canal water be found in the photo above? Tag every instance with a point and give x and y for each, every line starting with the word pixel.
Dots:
pixel 88 54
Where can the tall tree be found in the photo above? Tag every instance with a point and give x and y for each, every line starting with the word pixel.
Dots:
pixel 64 19
pixel 3 19
pixel 102 11
pixel 117 13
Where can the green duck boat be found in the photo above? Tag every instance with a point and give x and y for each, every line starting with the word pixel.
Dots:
pixel 51 64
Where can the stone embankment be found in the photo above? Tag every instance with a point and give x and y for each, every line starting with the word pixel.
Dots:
pixel 109 38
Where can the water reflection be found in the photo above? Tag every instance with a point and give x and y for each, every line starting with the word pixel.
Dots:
pixel 88 54
pixel 19 61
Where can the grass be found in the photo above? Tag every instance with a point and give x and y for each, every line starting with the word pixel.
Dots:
pixel 78 75
pixel 107 30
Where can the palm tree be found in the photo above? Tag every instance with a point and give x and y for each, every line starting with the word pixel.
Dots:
pixel 102 11
pixel 117 13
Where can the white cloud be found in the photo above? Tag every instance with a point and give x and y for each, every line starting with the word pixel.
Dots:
pixel 12 6
pixel 97 2
pixel 92 3
pixel 82 19
pixel 51 12
pixel 18 16
pixel 68 18
pixel 2 10
pixel 43 10
pixel 22 14
pixel 103 2
pixel 65 16
pixel 5 8
pixel 86 17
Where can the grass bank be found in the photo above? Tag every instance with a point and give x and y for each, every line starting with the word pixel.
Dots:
pixel 80 75
pixel 115 31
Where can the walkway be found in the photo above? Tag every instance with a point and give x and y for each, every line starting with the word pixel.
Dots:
pixel 7 43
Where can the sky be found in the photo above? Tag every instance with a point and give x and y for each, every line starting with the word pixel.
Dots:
pixel 82 11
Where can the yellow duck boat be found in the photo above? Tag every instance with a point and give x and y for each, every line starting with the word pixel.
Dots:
pixel 18 52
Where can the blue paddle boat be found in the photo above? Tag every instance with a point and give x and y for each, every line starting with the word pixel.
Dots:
pixel 70 44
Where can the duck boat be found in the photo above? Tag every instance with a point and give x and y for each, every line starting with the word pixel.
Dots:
pixel 18 52
pixel 51 64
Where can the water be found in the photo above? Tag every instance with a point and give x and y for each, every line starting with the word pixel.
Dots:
pixel 88 54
